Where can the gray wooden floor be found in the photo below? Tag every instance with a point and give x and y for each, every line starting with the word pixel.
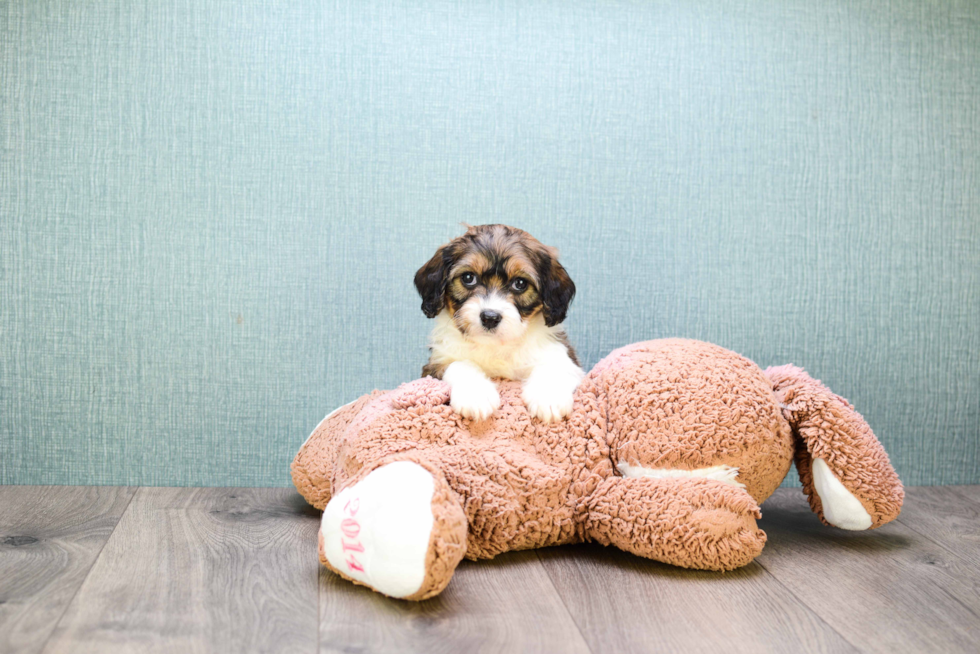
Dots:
pixel 87 569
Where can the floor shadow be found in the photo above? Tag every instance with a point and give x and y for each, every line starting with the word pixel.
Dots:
pixel 298 505
pixel 784 524
pixel 599 559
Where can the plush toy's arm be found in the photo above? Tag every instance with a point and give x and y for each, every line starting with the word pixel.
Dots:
pixel 690 522
pixel 845 471
pixel 312 468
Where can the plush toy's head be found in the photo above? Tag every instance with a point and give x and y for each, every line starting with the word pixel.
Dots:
pixel 668 452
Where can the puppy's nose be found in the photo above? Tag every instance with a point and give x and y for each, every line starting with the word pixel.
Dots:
pixel 490 319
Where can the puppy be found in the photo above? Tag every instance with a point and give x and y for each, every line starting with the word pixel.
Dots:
pixel 498 297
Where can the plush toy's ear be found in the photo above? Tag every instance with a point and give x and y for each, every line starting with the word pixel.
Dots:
pixel 430 282
pixel 556 288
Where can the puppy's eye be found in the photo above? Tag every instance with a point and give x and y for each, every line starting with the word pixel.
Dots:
pixel 468 279
pixel 519 285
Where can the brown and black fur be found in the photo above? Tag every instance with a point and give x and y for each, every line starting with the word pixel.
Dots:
pixel 497 255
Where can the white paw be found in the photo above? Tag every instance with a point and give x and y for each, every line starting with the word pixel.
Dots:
pixel 472 394
pixel 476 399
pixel 546 399
pixel 378 530
pixel 840 507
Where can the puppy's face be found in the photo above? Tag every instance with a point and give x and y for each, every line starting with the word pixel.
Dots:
pixel 493 279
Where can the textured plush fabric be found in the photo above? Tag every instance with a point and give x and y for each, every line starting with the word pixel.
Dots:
pixel 512 482
pixel 211 211
pixel 694 523
pixel 668 409
pixel 832 430
pixel 447 542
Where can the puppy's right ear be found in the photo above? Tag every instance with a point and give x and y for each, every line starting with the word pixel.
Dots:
pixel 430 282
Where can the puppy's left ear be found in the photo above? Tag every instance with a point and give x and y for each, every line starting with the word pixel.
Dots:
pixel 430 282
pixel 557 290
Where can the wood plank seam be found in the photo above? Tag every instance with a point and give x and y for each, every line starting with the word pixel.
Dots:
pixel 888 590
pixel 958 491
pixel 89 571
pixel 812 610
pixel 564 604
pixel 938 544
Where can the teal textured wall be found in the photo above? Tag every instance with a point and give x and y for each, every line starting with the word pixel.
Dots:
pixel 212 211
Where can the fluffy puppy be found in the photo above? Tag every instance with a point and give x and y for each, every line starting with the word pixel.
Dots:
pixel 498 296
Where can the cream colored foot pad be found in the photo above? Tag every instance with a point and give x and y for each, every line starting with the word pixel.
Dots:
pixel 378 530
pixel 840 507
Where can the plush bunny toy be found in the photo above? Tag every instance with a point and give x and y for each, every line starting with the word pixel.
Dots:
pixel 671 447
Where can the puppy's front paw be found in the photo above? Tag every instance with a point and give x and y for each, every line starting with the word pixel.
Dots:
pixel 475 398
pixel 547 400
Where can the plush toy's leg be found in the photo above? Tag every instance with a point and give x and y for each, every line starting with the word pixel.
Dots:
pixel 400 530
pixel 313 466
pixel 844 469
pixel 689 522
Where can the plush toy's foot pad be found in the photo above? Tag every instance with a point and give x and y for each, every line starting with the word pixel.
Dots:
pixel 400 531
pixel 840 507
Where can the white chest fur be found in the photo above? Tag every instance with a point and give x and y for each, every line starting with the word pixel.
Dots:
pixel 513 359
